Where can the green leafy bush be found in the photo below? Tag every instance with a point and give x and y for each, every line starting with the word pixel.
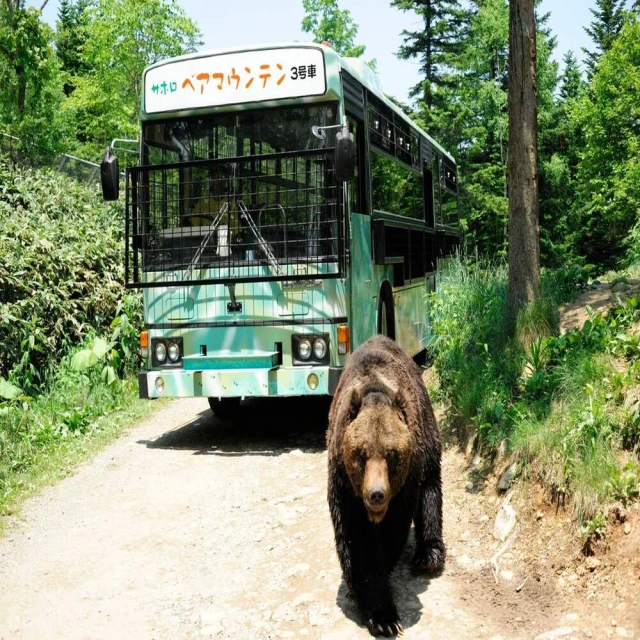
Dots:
pixel 566 404
pixel 61 271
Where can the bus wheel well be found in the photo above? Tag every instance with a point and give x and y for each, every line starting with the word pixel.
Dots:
pixel 224 408
pixel 386 313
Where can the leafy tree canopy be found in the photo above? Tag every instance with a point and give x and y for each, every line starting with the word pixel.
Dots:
pixel 609 172
pixel 122 38
pixel 326 21
pixel 31 82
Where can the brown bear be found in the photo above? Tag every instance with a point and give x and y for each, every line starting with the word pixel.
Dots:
pixel 384 471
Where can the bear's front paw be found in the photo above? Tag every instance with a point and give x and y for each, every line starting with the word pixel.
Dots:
pixel 385 622
pixel 429 560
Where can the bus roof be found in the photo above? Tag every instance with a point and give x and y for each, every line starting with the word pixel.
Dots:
pixel 334 63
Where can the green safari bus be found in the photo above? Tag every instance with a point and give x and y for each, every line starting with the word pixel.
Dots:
pixel 283 211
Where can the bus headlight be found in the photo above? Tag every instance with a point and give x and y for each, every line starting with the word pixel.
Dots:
pixel 310 348
pixel 319 348
pixel 174 352
pixel 160 352
pixel 167 352
pixel 304 349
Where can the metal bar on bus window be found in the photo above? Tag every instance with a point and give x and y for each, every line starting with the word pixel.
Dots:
pixel 223 219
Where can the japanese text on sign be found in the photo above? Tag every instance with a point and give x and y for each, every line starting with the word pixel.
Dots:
pixel 235 78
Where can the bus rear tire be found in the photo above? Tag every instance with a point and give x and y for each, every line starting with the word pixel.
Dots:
pixel 224 408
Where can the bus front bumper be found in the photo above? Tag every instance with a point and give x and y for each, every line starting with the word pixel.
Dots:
pixel 239 383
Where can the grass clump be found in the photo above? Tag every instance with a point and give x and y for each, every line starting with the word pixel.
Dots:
pixel 568 406
pixel 68 328
pixel 42 439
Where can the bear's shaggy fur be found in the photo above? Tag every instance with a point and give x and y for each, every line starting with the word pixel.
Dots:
pixel 384 471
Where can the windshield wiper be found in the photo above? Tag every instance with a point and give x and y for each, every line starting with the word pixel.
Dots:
pixel 212 227
pixel 262 243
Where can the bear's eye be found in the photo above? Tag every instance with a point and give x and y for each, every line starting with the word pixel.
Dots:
pixel 361 456
pixel 392 459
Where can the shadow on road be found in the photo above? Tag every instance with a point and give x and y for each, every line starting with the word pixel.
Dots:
pixel 262 427
pixel 406 585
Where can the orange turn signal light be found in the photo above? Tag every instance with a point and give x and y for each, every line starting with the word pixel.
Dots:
pixel 144 339
pixel 343 339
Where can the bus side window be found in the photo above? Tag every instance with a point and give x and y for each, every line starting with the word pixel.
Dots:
pixel 449 193
pixel 437 163
pixel 428 196
pixel 356 186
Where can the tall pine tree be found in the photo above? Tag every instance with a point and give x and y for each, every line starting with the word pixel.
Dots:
pixel 608 20
pixel 434 46
pixel 524 242
pixel 71 36
pixel 608 194
pixel 559 142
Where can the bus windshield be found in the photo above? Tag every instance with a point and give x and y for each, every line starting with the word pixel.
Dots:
pixel 234 191
pixel 228 135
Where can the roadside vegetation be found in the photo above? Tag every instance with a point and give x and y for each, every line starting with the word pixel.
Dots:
pixel 67 327
pixel 567 407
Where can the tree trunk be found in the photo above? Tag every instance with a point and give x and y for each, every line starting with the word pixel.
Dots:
pixel 524 242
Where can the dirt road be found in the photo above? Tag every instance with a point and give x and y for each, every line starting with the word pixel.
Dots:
pixel 188 527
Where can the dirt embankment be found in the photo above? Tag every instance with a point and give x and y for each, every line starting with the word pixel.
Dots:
pixel 189 528
pixel 595 300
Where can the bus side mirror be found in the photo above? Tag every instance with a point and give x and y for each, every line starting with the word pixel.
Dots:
pixel 110 175
pixel 345 161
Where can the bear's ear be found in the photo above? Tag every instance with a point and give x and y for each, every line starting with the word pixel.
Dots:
pixel 355 402
pixel 400 403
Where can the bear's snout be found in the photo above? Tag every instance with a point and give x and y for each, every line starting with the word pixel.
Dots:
pixel 376 491
pixel 377 495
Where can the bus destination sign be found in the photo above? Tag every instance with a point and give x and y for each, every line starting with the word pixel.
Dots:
pixel 233 78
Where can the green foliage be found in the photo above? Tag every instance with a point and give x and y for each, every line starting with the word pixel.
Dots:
pixel 327 22
pixel 119 354
pixel 624 484
pixel 608 20
pixel 61 271
pixel 471 346
pixel 630 432
pixel 41 438
pixel 121 38
pixel 559 401
pixel 31 97
pixel 565 283
pixel 434 46
pixel 609 172
pixel 8 391
pixel 596 526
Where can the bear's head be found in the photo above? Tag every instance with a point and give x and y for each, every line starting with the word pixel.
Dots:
pixel 377 448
